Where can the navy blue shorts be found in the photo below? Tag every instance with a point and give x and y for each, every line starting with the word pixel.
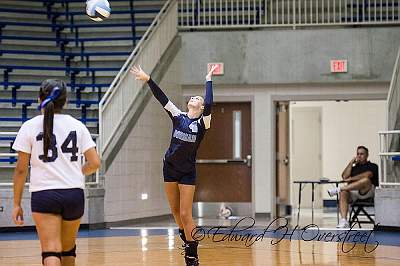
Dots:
pixel 69 203
pixel 172 175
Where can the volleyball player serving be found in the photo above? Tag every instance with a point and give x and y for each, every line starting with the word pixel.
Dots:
pixel 179 162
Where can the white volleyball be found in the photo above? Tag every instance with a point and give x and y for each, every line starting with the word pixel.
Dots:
pixel 98 10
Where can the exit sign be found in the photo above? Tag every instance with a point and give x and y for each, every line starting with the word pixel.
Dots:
pixel 338 66
pixel 218 71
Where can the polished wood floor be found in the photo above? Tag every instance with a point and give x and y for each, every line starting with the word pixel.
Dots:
pixel 164 250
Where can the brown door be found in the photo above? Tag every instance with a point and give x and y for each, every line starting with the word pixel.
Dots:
pixel 282 159
pixel 224 156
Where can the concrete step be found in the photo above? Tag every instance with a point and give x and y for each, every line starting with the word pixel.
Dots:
pixel 38 48
pixel 118 29
pixel 86 94
pixel 113 44
pixel 117 18
pixel 32 29
pixel 55 61
pixel 84 25
pixel 28 42
pixel 57 73
pixel 83 33
pixel 15 16
pixel 6 172
pixel 69 105
pixel 26 88
pixel 26 32
pixel 122 4
pixel 29 57
pixel 15 111
pixel 15 126
pixel 87 44
pixel 22 4
pixel 77 6
pixel 39 78
pixel 5 146
pixel 77 59
pixel 36 62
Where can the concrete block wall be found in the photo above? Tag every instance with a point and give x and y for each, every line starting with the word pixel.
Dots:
pixel 94 207
pixel 137 169
pixel 387 202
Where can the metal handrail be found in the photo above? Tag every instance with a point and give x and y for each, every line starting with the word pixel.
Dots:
pixel 389 132
pixel 210 14
pixel 394 87
pixel 389 138
pixel 394 75
pixel 385 154
pixel 389 153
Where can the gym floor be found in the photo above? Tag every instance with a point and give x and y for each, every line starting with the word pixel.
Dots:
pixel 230 242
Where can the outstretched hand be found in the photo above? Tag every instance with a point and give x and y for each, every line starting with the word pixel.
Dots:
pixel 139 73
pixel 210 73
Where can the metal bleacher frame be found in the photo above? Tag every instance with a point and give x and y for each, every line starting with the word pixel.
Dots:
pixel 57 27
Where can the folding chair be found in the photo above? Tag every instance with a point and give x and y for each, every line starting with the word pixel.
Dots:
pixel 358 209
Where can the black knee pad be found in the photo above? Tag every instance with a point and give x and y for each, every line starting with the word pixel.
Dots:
pixel 50 254
pixel 71 252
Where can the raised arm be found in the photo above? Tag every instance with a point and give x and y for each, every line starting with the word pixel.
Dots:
pixel 172 110
pixel 208 99
pixel 158 93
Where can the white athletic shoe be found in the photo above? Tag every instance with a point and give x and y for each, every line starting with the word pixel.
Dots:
pixel 333 191
pixel 343 223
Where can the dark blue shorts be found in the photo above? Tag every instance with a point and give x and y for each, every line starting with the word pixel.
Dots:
pixel 173 175
pixel 69 203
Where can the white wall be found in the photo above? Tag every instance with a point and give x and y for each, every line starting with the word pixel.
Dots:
pixel 137 168
pixel 263 121
pixel 346 125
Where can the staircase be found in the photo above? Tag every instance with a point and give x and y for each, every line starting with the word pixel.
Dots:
pixel 387 196
pixel 55 39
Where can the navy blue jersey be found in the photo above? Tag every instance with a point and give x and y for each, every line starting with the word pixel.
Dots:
pixel 368 166
pixel 187 133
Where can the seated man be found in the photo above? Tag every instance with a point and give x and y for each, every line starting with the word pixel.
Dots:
pixel 362 177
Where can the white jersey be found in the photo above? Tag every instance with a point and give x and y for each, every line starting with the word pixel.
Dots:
pixel 64 169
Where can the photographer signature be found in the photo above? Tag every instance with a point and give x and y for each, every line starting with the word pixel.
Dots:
pixel 310 232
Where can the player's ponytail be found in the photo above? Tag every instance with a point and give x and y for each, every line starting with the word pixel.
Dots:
pixel 53 95
pixel 48 127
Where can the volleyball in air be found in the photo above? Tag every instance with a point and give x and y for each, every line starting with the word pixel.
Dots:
pixel 98 10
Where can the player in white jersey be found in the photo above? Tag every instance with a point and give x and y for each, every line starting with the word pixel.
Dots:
pixel 54 145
